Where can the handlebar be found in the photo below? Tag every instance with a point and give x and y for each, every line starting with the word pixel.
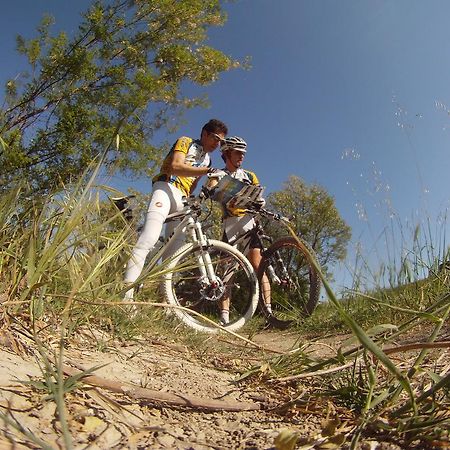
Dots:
pixel 266 213
pixel 193 201
pixel 275 216
pixel 122 202
pixel 254 208
pixel 192 205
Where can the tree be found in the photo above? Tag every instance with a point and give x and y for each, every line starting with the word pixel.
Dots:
pixel 315 218
pixel 121 74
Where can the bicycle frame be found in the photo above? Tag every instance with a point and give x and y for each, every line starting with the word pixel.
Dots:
pixel 257 233
pixel 190 230
pixel 199 273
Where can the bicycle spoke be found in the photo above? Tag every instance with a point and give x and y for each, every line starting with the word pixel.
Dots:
pixel 235 283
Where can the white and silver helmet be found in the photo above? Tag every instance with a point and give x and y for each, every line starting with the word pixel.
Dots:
pixel 233 143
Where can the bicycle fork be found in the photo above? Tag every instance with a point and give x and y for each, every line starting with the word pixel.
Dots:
pixel 205 266
pixel 285 279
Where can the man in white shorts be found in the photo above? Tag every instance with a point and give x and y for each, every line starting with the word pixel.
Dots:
pixel 235 221
pixel 187 160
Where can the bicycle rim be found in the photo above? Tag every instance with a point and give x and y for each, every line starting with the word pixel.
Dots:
pixel 201 302
pixel 294 292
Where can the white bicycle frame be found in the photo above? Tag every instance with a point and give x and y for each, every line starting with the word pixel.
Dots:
pixel 191 230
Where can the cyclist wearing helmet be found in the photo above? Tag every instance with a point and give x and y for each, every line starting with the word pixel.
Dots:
pixel 187 160
pixel 235 221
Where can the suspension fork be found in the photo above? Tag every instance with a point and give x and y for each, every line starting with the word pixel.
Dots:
pixel 284 273
pixel 205 265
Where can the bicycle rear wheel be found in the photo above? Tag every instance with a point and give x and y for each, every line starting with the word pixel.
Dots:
pixel 288 282
pixel 185 286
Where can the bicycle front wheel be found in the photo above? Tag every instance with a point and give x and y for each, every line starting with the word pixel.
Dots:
pixel 289 283
pixel 202 298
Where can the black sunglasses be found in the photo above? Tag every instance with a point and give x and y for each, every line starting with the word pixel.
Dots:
pixel 217 137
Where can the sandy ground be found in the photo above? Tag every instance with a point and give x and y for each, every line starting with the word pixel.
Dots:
pixel 99 418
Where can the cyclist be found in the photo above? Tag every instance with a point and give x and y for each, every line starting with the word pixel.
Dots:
pixel 187 160
pixel 235 221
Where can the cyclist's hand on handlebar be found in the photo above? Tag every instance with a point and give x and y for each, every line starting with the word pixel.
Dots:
pixel 258 204
pixel 216 173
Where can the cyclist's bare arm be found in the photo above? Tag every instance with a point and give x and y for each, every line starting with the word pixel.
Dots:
pixel 179 167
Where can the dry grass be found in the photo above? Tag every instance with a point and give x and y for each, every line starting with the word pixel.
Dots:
pixel 61 268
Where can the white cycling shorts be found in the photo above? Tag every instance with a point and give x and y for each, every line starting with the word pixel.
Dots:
pixel 166 199
pixel 236 226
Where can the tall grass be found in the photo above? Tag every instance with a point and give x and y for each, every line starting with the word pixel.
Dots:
pixel 62 259
pixel 405 299
pixel 400 287
pixel 410 397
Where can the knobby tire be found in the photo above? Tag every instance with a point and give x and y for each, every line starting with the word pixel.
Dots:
pixel 183 286
pixel 299 296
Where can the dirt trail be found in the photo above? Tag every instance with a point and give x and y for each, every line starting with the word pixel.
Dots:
pixel 101 419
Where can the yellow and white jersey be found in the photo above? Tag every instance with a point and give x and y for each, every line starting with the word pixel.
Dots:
pixel 195 156
pixel 247 177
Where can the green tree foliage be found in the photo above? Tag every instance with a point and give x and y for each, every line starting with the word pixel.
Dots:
pixel 121 73
pixel 315 218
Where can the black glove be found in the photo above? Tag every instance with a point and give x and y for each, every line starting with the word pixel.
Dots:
pixel 259 203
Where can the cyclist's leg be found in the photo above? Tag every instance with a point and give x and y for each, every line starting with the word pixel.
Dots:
pixel 158 210
pixel 224 302
pixel 294 280
pixel 251 247
pixel 176 204
pixel 236 226
pixel 254 255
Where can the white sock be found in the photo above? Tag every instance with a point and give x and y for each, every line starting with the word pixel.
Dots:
pixel 269 308
pixel 129 295
pixel 224 315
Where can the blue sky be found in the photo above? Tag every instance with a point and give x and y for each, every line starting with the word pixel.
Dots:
pixel 353 95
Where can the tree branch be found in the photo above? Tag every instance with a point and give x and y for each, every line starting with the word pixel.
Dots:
pixel 153 396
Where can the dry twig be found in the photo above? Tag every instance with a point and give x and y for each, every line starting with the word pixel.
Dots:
pixel 167 398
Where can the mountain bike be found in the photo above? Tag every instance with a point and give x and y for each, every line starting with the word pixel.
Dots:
pixel 289 283
pixel 201 272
